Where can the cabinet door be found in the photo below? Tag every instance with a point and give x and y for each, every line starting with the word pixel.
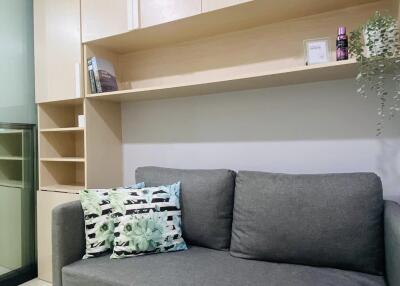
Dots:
pixel 153 12
pixel 57 49
pixel 103 18
pixel 11 228
pixel 46 201
pixel 210 5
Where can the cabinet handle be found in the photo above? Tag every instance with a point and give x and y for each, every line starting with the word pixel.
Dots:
pixel 77 80
pixel 133 14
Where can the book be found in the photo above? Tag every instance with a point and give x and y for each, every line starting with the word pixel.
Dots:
pixel 104 75
pixel 91 77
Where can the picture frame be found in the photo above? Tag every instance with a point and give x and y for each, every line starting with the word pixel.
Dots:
pixel 317 51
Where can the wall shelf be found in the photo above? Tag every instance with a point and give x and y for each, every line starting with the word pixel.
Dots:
pixel 304 74
pixel 238 17
pixel 11 183
pixel 63 188
pixel 6 131
pixel 11 158
pixel 64 159
pixel 67 129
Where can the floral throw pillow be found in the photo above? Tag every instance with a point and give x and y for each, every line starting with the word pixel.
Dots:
pixel 147 221
pixel 99 225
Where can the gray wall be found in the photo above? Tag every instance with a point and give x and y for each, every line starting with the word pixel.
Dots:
pixel 16 62
pixel 311 128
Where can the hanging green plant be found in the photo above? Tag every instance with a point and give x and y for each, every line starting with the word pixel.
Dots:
pixel 376 46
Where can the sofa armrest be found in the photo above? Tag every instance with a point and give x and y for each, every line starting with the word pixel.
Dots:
pixel 68 237
pixel 392 242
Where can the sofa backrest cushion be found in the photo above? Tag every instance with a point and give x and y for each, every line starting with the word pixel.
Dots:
pixel 207 202
pixel 332 220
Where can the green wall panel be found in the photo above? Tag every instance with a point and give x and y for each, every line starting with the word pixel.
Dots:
pixel 16 62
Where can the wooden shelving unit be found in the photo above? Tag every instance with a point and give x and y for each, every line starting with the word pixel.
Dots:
pixel 254 45
pixel 61 146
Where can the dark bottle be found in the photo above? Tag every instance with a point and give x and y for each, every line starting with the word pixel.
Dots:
pixel 342 45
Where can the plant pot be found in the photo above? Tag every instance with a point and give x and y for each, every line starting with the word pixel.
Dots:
pixel 374 35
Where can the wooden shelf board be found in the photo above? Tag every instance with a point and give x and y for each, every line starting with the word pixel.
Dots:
pixel 7 131
pixel 63 159
pixel 234 18
pixel 289 76
pixel 63 188
pixel 67 129
pixel 11 158
pixel 11 183
pixel 65 102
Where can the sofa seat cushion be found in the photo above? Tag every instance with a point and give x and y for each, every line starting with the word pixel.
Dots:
pixel 205 267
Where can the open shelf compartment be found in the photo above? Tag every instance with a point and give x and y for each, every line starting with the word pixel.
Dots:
pixel 11 174
pixel 11 145
pixel 60 115
pixel 62 176
pixel 236 17
pixel 62 145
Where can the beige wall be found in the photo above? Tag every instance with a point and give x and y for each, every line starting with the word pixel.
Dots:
pixel 311 128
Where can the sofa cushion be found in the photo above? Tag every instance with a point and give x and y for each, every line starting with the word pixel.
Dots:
pixel 147 221
pixel 99 226
pixel 207 202
pixel 333 220
pixel 205 267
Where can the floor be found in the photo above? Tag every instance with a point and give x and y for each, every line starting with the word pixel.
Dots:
pixel 36 282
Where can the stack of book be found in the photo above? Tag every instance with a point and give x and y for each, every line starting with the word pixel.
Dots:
pixel 102 75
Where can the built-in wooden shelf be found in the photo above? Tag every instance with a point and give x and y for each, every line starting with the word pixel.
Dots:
pixel 237 17
pixel 61 146
pixel 67 129
pixel 11 183
pixel 63 188
pixel 288 76
pixel 11 158
pixel 64 159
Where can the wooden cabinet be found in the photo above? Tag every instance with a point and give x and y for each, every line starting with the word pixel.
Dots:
pixel 103 18
pixel 210 5
pixel 57 49
pixel 46 201
pixel 153 12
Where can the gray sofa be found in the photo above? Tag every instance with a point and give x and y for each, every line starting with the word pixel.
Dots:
pixel 252 228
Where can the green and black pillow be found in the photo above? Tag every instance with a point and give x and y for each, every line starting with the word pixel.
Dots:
pixel 99 224
pixel 147 221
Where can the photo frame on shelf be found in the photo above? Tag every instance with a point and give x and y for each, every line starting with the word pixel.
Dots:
pixel 317 51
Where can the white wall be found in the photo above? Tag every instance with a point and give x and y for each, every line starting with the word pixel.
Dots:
pixel 311 128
